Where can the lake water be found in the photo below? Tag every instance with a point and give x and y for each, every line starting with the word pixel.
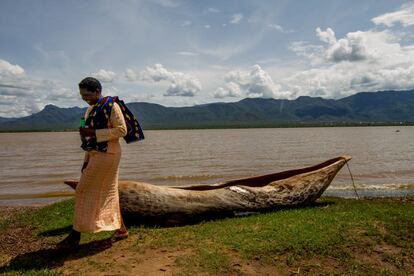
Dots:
pixel 33 166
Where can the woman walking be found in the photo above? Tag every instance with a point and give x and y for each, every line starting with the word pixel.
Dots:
pixel 97 200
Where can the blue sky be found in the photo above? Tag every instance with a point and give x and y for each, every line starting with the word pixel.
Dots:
pixel 180 53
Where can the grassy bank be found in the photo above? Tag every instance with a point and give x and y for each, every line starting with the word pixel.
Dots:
pixel 374 236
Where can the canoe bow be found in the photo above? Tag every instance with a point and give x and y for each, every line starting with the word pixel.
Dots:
pixel 176 205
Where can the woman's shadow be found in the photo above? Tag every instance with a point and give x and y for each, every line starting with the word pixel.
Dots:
pixel 50 257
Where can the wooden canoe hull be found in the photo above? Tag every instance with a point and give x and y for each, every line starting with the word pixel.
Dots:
pixel 176 205
pixel 144 202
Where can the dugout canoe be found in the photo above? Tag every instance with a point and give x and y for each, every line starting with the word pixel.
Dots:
pixel 143 202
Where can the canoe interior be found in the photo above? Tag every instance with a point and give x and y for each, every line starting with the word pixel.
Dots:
pixel 263 180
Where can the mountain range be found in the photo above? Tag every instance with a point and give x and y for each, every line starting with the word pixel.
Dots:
pixel 383 107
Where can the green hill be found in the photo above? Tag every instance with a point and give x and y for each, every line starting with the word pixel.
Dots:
pixel 385 107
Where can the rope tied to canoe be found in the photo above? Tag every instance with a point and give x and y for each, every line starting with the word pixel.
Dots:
pixel 352 178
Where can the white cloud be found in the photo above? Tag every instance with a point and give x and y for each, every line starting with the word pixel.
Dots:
pixel 178 102
pixel 261 83
pixel 183 85
pixel 185 53
pixel 207 26
pixel 269 61
pixel 344 79
pixel 168 3
pixel 186 23
pixel 256 82
pixel 314 53
pixel 140 98
pixel 230 89
pixel 404 16
pixel 361 46
pixel 331 82
pixel 12 107
pixel 401 77
pixel 104 75
pixel 213 10
pixel 368 46
pixel 111 90
pixel 236 18
pixel 327 36
pixel 351 48
pixel 279 28
pixel 369 60
pixel 276 27
pixel 224 52
pixel 130 74
pixel 382 65
pixel 180 84
pixel 156 73
pixel 7 68
pixel 22 95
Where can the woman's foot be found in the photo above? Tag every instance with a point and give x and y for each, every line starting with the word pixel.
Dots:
pixel 119 234
pixel 70 242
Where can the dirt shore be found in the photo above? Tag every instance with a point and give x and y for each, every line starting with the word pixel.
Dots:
pixel 383 245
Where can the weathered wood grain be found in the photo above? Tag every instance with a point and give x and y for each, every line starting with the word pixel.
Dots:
pixel 144 202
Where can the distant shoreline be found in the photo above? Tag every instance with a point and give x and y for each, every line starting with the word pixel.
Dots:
pixel 237 126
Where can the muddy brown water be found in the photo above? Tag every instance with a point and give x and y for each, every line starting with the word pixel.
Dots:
pixel 33 166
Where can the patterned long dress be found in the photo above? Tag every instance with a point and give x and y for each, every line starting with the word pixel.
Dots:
pixel 97 199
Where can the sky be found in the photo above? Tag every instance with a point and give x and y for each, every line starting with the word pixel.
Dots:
pixel 184 53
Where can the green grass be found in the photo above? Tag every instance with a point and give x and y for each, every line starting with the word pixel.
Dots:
pixel 55 220
pixel 341 230
pixel 49 218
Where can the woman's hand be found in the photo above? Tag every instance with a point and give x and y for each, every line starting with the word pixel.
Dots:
pixel 87 132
